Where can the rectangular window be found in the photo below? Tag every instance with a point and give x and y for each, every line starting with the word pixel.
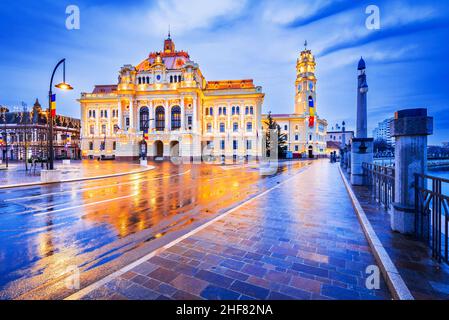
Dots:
pixel 103 129
pixel 91 146
pixel 222 127
pixel 189 120
pixel 209 128
pixel 127 121
pixel 296 148
pixel 235 144
pixel 285 127
pixel 235 127
pixel 249 144
pixel 102 145
pixel 222 144
pixel 249 127
pixel 114 145
pixel 296 137
pixel 105 113
pixel 92 130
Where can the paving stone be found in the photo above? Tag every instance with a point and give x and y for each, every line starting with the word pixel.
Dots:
pixel 189 284
pixel 250 289
pixel 214 278
pixel 212 292
pixel 163 275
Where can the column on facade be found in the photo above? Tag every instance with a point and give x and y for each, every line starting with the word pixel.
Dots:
pixel 183 114
pixel 152 116
pixel 195 115
pixel 167 115
pixel 131 114
pixel 120 120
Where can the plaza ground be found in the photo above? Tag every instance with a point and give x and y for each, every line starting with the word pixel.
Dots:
pixel 292 235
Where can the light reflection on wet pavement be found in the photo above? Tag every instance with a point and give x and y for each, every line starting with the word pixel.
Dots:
pixel 100 226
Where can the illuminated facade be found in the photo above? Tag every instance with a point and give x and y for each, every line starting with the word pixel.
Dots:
pixel 306 132
pixel 166 104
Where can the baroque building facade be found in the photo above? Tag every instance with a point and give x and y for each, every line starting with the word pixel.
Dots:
pixel 164 107
pixel 305 130
pixel 24 134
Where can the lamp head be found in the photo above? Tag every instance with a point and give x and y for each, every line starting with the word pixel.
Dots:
pixel 64 86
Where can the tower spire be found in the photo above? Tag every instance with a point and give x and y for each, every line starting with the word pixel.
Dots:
pixel 305 45
pixel 169 36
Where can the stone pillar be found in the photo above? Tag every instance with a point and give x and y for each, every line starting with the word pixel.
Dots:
pixel 361 151
pixel 410 128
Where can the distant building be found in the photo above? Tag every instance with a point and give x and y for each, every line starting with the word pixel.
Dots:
pixel 445 144
pixel 28 130
pixel 305 130
pixel 383 131
pixel 335 137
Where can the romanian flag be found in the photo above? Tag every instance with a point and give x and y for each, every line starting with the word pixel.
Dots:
pixel 145 134
pixel 1 140
pixel 311 122
pixel 53 105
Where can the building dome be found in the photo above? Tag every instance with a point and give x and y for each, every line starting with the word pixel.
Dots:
pixel 362 65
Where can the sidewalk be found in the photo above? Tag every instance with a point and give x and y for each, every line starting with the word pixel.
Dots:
pixel 77 169
pixel 301 240
pixel 425 278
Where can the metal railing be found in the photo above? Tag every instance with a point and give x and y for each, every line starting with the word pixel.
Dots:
pixel 432 218
pixel 381 180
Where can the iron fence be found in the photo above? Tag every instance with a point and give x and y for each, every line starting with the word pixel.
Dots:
pixel 432 219
pixel 381 180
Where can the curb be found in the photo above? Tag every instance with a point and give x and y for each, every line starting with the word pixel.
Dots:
pixel 93 286
pixel 21 185
pixel 395 283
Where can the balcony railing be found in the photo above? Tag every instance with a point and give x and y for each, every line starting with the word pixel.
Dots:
pixel 381 179
pixel 432 218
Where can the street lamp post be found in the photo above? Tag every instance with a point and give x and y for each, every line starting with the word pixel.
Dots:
pixel 6 137
pixel 63 86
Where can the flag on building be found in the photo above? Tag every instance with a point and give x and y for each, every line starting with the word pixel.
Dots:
pixel 145 134
pixel 1 140
pixel 53 105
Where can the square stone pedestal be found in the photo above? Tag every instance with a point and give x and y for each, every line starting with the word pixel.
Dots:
pixel 362 151
pixel 66 162
pixel 403 219
pixel 143 163
pixel 51 176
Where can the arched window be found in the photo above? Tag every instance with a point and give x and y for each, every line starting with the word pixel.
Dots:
pixel 246 110
pixel 144 118
pixel 224 110
pixel 160 118
pixel 211 111
pixel 171 79
pixel 91 145
pixel 310 102
pixel 148 79
pixel 179 78
pixel 140 80
pixel 207 111
pixel 251 110
pixel 175 118
pixel 237 110
pixel 220 111
pixel 233 110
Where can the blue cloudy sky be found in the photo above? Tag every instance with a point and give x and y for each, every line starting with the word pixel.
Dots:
pixel 408 58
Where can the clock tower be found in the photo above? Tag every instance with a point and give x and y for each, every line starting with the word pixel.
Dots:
pixel 305 98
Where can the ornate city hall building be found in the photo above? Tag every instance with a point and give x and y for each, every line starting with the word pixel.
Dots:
pixel 164 107
pixel 305 131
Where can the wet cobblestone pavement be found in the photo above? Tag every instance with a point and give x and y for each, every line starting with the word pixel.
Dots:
pixel 77 169
pixel 425 278
pixel 302 240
